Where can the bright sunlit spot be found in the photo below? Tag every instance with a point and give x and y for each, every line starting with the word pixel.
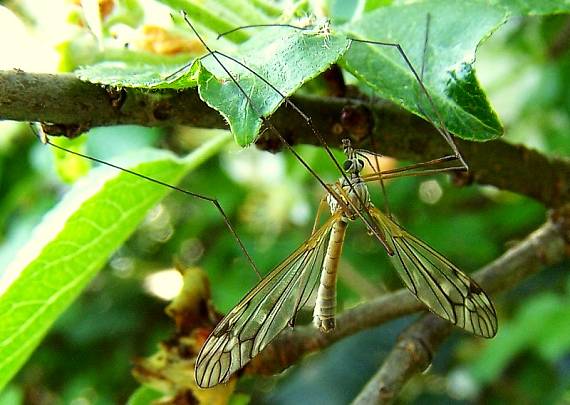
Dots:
pixel 30 51
pixel 461 385
pixel 430 191
pixel 300 213
pixel 164 284
pixel 255 167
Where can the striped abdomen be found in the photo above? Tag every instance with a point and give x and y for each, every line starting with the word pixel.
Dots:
pixel 325 306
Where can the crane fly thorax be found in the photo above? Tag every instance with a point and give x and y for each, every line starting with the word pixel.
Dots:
pixel 350 189
pixel 353 193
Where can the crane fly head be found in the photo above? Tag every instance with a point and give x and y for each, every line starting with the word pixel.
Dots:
pixel 350 187
pixel 353 163
pixel 353 166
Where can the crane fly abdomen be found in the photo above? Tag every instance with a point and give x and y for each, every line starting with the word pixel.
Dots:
pixel 325 305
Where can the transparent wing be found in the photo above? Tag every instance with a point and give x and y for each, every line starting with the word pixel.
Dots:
pixel 438 283
pixel 263 312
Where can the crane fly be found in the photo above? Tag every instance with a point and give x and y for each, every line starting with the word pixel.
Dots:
pixel 274 303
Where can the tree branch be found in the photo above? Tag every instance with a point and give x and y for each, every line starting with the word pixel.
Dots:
pixel 67 101
pixel 546 246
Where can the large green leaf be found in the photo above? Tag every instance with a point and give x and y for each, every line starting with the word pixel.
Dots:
pixel 75 240
pixel 455 30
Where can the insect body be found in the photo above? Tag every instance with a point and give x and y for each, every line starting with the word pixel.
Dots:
pixel 273 303
pixel 354 193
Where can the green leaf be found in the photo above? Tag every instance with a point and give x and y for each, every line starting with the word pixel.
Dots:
pixel 75 240
pixel 285 57
pixel 144 395
pixel 146 76
pixel 12 395
pixel 71 167
pixel 534 7
pixel 448 75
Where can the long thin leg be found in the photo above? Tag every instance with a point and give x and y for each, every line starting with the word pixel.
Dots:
pixel 424 53
pixel 322 206
pixel 223 34
pixel 214 201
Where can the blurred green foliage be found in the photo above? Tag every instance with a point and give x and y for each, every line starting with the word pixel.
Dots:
pixel 525 69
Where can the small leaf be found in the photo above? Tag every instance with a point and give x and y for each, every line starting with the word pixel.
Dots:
pixel 71 167
pixel 144 395
pixel 285 57
pixel 122 74
pixel 75 240
pixel 448 74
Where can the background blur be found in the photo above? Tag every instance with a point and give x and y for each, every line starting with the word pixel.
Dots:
pixel 86 358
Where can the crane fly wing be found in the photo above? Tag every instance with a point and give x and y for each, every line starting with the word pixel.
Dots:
pixel 438 283
pixel 263 312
